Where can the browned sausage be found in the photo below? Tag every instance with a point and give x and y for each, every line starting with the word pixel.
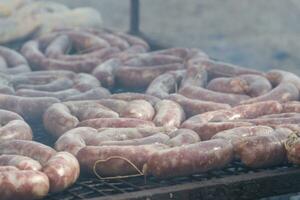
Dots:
pixel 58 46
pixel 92 94
pixel 193 107
pixel 61 95
pixel 190 159
pixel 168 113
pixel 208 95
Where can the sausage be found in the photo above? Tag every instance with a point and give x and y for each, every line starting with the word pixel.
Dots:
pixel 207 130
pixel 15 129
pixel 183 137
pixel 241 132
pixel 291 106
pixel 152 139
pixel 273 121
pixel 92 94
pixel 58 119
pixel 196 75
pixel 38 61
pixel 105 72
pixel 284 92
pixel 116 122
pixel 61 95
pixel 23 184
pixel 77 138
pixel 54 86
pixel 139 109
pixel 292 148
pixel 128 96
pixel 31 109
pixel 221 69
pixel 62 170
pixel 115 158
pixel 165 84
pixel 15 62
pixel 58 46
pixel 141 77
pixel 168 113
pixel 252 85
pixel 193 107
pixel 32 149
pixel 114 104
pixel 84 82
pixel 62 117
pixel 277 76
pixel 84 110
pixel 264 150
pixel 208 95
pixel 21 162
pixel 152 60
pixel 189 159
pixel 249 111
pixel 133 40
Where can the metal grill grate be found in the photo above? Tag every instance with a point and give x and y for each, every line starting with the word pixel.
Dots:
pixel 234 182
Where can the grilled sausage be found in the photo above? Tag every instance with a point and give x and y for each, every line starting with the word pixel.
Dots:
pixel 190 159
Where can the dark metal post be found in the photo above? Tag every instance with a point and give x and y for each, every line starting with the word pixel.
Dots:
pixel 134 16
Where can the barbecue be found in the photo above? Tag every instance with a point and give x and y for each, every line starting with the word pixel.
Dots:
pixel 87 112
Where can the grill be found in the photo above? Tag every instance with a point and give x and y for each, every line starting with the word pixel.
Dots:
pixel 234 182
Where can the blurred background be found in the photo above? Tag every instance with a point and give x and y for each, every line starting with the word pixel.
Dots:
pixel 252 33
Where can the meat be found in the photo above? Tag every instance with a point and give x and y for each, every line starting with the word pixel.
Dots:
pixel 284 92
pixel 30 109
pixel 190 159
pixel 141 77
pixel 193 107
pixel 139 109
pixel 183 137
pixel 168 113
pixel 23 184
pixel 111 161
pixel 115 122
pixel 165 84
pixel 60 169
pixel 128 96
pixel 252 85
pixel 208 95
pixel 263 151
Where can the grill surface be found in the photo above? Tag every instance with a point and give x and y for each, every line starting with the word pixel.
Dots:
pixel 233 182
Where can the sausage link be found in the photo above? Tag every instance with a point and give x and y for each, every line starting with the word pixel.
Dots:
pixel 139 109
pixel 169 114
pixel 21 162
pixel 183 137
pixel 189 159
pixel 208 95
pixel 128 96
